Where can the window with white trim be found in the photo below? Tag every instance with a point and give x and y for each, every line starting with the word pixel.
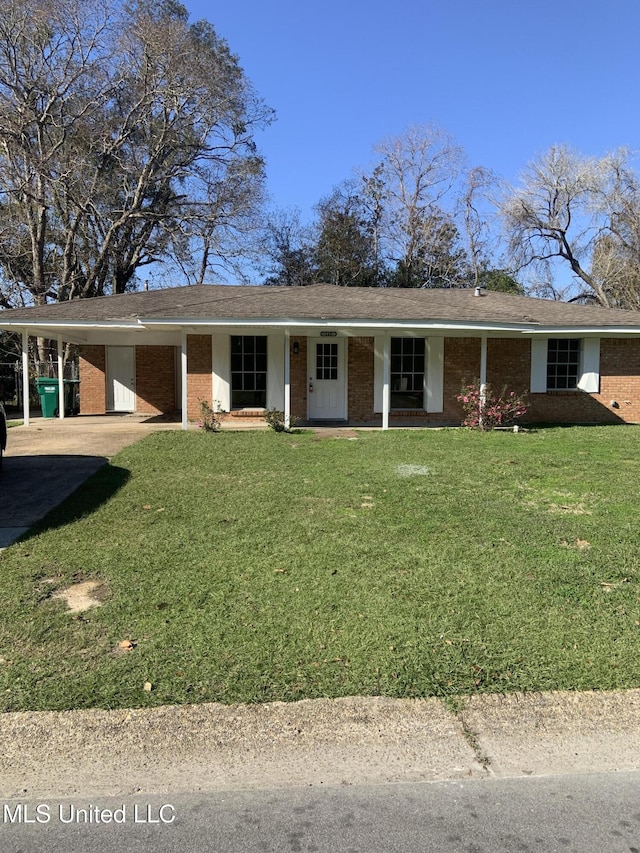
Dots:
pixel 248 371
pixel 407 373
pixel 563 364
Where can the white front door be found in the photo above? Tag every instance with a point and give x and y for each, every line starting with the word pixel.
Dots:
pixel 326 384
pixel 121 372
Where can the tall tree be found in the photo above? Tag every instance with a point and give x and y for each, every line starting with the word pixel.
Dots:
pixel 585 213
pixel 288 251
pixel 124 129
pixel 345 245
pixel 417 170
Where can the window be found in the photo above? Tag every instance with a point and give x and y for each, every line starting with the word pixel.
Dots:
pixel 563 363
pixel 326 361
pixel 407 373
pixel 248 371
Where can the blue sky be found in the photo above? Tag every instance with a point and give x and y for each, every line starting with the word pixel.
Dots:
pixel 506 78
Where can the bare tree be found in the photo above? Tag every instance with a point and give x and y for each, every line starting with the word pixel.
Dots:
pixel 125 132
pixel 417 171
pixel 478 182
pixel 584 212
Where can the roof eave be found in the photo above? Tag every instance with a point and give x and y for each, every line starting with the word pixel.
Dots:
pixel 335 322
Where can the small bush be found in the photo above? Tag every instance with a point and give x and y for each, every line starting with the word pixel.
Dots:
pixel 489 410
pixel 210 419
pixel 275 419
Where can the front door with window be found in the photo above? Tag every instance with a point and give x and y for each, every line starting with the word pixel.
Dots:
pixel 121 371
pixel 326 384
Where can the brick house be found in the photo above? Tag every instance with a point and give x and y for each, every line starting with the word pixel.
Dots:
pixel 349 355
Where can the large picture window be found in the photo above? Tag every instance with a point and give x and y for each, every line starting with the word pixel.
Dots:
pixel 563 364
pixel 407 373
pixel 248 371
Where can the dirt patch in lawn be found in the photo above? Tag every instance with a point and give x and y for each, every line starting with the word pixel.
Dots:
pixel 82 596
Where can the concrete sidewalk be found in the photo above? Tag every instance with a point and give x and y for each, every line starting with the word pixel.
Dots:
pixel 315 742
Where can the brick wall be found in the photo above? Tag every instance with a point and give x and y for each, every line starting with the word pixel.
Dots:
pixel 155 379
pixel 361 357
pixel 620 377
pixel 461 365
pixel 509 363
pixel 93 383
pixel 619 382
pixel 199 374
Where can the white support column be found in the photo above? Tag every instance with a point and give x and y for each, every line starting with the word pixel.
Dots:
pixel 483 361
pixel 183 375
pixel 60 379
pixel 25 378
pixel 287 380
pixel 483 374
pixel 386 377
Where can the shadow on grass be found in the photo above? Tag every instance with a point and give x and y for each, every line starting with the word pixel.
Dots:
pixel 89 496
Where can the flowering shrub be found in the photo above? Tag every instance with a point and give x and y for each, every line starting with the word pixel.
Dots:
pixel 485 409
pixel 210 420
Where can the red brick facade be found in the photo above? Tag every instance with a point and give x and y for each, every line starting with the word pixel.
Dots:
pixel 93 385
pixel 155 380
pixel 508 364
pixel 199 374
pixel 361 359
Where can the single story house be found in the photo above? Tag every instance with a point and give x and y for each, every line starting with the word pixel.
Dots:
pixel 348 355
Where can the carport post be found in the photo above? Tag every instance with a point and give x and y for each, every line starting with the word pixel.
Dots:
pixel 60 379
pixel 385 383
pixel 287 381
pixel 25 377
pixel 183 374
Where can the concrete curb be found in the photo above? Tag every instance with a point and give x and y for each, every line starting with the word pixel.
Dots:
pixel 315 742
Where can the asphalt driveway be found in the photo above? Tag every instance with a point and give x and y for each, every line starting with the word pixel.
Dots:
pixel 47 461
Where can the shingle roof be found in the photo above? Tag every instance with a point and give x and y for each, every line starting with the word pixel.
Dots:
pixel 324 302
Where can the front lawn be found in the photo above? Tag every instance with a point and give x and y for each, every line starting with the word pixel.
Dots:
pixel 252 567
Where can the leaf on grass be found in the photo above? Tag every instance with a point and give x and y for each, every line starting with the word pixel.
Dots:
pixel 126 645
pixel 280 571
pixel 146 506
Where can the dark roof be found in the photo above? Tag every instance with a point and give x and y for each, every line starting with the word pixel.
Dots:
pixel 324 302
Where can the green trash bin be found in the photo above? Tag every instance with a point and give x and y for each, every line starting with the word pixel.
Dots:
pixel 48 393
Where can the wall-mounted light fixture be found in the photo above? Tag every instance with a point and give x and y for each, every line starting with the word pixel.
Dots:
pixel 296 347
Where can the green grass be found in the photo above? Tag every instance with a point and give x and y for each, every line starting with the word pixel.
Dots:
pixel 256 567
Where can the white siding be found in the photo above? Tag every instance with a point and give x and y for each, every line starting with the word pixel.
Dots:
pixel 590 378
pixel 378 373
pixel 538 365
pixel 434 378
pixel 275 372
pixel 221 368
